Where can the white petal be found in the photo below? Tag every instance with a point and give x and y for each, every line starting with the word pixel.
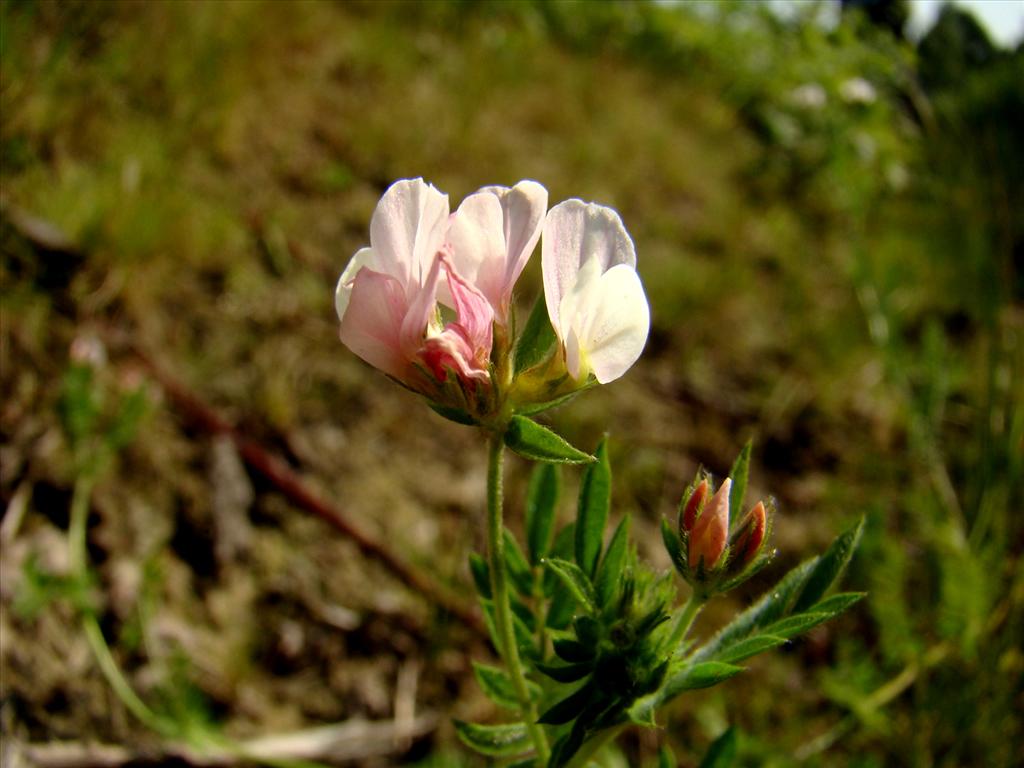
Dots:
pixel 477 239
pixel 408 228
pixel 611 319
pixel 363 257
pixel 574 232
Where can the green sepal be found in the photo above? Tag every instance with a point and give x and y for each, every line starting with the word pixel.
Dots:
pixel 532 441
pixel 537 340
pixel 592 513
pixel 457 415
pixel 739 473
pixel 541 504
pixel 495 740
pixel 566 673
pixel 498 687
pixel 481 574
pixel 722 752
pixel 610 570
pixel 575 580
pixel 518 569
pixel 673 545
pixel 829 567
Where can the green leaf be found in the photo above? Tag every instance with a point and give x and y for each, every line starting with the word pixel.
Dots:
pixel 665 758
pixel 691 677
pixel 722 752
pixel 516 566
pixel 562 549
pixel 495 740
pixel 572 651
pixel 541 503
pixel 569 707
pixel 610 570
pixel 592 514
pixel 829 567
pixel 739 473
pixel 532 441
pixel 769 608
pixel 498 687
pixel 537 339
pixel 837 603
pixel 748 647
pixel 457 415
pixel 130 413
pixel 481 575
pixel 673 545
pixel 566 673
pixel 797 624
pixel 575 580
pixel 562 607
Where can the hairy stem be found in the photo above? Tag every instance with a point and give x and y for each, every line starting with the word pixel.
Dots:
pixel 509 650
pixel 685 621
pixel 592 747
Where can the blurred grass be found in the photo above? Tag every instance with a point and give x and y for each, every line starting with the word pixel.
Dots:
pixel 840 282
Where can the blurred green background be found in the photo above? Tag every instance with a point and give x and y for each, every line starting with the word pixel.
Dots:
pixel 828 224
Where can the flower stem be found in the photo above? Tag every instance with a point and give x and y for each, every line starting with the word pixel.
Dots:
pixel 595 745
pixel 509 650
pixel 77 556
pixel 685 621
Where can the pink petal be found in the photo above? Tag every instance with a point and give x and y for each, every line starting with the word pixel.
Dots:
pixel 523 208
pixel 707 539
pixel 477 241
pixel 373 319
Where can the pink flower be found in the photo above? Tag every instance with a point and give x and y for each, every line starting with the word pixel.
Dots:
pixel 492 235
pixel 386 298
pixel 595 300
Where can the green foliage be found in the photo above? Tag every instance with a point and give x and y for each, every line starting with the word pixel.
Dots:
pixel 536 340
pixel 541 505
pixel 532 441
pixel 722 752
pixel 494 740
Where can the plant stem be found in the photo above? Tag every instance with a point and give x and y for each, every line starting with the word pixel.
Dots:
pixel 77 557
pixel 685 621
pixel 509 650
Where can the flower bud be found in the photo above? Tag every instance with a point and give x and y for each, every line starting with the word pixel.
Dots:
pixel 711 530
pixel 692 507
pixel 749 537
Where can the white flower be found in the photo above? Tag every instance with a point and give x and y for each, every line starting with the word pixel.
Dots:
pixel 594 297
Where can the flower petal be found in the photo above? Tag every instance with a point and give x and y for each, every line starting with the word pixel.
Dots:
pixel 362 258
pixel 607 317
pixel 574 232
pixel 408 229
pixel 523 208
pixel 477 241
pixel 372 321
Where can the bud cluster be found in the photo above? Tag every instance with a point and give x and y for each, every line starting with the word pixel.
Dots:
pixel 709 555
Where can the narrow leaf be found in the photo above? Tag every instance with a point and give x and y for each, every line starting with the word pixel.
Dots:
pixel 498 687
pixel 837 603
pixel 541 503
pixel 532 441
pixel 566 673
pixel 829 567
pixel 572 651
pixel 481 575
pixel 537 339
pixel 562 607
pixel 562 549
pixel 797 624
pixel 516 566
pixel 703 675
pixel 569 707
pixel 665 758
pixel 531 408
pixel 495 740
pixel 748 647
pixel 610 570
pixel 592 514
pixel 576 580
pixel 722 752
pixel 739 474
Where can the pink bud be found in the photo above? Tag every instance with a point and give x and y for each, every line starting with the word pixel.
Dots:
pixel 693 505
pixel 709 534
pixel 750 536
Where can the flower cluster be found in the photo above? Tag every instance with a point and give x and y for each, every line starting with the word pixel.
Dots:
pixel 429 302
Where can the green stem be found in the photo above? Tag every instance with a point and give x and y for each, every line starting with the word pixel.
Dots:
pixel 77 557
pixel 685 621
pixel 509 649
